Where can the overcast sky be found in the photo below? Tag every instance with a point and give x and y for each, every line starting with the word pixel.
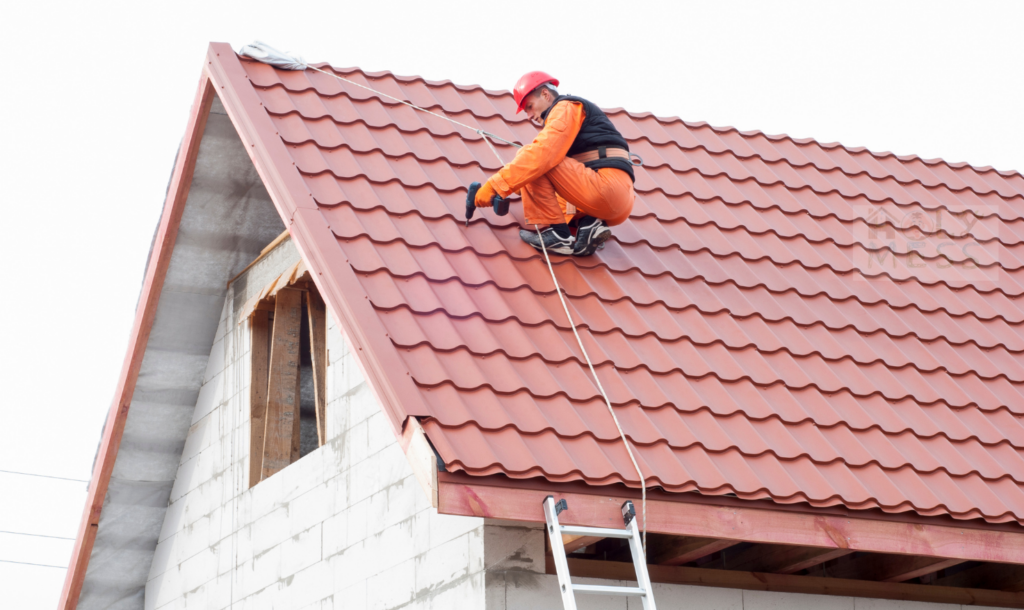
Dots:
pixel 96 95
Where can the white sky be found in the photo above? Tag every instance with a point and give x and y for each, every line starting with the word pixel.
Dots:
pixel 96 95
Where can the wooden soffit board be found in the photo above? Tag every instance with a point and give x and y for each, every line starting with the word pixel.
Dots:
pixel 458 496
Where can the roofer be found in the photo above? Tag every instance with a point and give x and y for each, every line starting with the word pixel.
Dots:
pixel 577 170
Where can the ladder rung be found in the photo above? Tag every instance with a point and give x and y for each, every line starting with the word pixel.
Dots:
pixel 606 590
pixel 603 532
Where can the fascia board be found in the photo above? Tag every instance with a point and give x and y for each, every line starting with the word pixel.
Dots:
pixel 458 495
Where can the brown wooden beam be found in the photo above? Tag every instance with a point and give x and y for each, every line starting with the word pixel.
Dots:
pixel 517 501
pixel 678 550
pixel 789 583
pixel 318 346
pixel 259 352
pixel 283 386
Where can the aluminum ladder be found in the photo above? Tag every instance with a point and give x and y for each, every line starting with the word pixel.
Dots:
pixel 631 533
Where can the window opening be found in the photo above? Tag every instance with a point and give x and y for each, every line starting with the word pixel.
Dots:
pixel 288 377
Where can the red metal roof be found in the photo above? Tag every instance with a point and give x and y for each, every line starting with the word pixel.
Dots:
pixel 749 322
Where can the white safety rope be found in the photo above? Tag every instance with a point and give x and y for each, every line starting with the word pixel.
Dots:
pixel 480 132
pixel 487 138
pixel 586 356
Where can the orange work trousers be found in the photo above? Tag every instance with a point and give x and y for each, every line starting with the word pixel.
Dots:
pixel 606 193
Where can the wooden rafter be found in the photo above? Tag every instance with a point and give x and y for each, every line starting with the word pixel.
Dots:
pixel 781 559
pixel 884 567
pixel 1001 576
pixel 574 543
pixel 775 558
pixel 679 550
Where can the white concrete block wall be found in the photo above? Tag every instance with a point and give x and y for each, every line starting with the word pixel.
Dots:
pixel 348 526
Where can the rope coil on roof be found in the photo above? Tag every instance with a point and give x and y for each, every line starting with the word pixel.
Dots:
pixel 264 53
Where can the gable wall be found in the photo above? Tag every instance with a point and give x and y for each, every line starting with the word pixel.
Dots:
pixel 226 220
pixel 345 526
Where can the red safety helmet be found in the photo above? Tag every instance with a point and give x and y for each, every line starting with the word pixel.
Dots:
pixel 527 83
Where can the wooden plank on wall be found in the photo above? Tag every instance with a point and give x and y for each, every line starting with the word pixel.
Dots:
pixel 614 570
pixel 517 502
pixel 318 346
pixel 282 393
pixel 259 349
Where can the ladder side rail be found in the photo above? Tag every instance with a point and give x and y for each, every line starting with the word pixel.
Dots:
pixel 640 565
pixel 558 551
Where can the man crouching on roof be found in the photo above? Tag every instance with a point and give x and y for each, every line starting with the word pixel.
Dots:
pixel 577 170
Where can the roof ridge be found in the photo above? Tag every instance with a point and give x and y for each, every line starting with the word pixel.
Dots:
pixel 747 134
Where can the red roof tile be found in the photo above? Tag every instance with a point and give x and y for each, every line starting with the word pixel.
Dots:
pixel 736 320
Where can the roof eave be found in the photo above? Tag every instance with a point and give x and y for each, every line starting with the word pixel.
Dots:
pixel 716 517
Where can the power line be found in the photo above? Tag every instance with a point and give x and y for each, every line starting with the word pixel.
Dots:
pixel 44 476
pixel 36 535
pixel 38 565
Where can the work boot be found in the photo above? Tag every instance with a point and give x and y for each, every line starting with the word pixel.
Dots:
pixel 592 232
pixel 557 239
